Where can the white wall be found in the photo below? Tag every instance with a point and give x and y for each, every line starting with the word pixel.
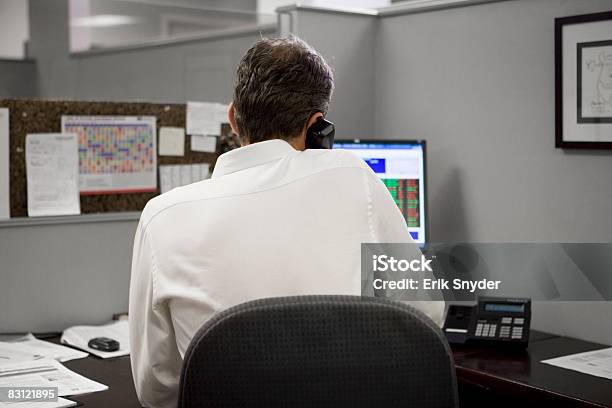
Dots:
pixel 14 28
pixel 478 83
pixel 269 6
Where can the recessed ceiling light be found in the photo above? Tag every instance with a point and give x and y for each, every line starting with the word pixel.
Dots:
pixel 104 20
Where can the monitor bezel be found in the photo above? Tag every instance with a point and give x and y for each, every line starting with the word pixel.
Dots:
pixel 423 144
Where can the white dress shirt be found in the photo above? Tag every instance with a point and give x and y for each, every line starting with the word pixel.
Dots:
pixel 271 221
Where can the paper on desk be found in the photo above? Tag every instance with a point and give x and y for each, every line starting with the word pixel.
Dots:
pixel 597 363
pixel 52 169
pixel 47 373
pixel 171 141
pixel 45 349
pixel 15 353
pixel 79 336
pixel 60 403
pixel 204 143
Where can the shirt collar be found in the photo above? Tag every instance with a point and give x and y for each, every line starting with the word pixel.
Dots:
pixel 251 155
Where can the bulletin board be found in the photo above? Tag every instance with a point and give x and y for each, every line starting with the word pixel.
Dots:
pixel 44 116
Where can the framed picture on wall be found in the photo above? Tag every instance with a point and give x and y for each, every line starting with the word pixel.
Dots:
pixel 583 81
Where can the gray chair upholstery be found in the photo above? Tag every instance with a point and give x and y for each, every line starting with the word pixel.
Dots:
pixel 319 351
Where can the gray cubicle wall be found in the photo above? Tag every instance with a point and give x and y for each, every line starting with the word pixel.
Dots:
pixel 18 78
pixel 200 69
pixel 346 39
pixel 194 70
pixel 76 270
pixel 63 271
pixel 478 83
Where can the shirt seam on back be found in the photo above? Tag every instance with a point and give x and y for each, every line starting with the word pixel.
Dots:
pixel 152 217
pixel 370 207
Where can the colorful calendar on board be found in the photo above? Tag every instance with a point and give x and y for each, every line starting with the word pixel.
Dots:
pixel 117 154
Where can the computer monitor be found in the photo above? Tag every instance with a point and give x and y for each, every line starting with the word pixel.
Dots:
pixel 401 165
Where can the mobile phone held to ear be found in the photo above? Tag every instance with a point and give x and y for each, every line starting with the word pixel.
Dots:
pixel 320 135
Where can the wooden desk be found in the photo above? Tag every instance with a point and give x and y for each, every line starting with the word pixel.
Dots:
pixel 114 372
pixel 486 376
pixel 493 377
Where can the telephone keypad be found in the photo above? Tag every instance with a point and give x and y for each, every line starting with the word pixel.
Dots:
pixel 493 320
pixel 509 328
pixel 517 332
pixel 486 330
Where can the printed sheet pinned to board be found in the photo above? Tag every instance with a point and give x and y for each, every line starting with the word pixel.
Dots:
pixel 117 154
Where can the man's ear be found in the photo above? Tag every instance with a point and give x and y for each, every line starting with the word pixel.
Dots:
pixel 313 119
pixel 299 142
pixel 231 115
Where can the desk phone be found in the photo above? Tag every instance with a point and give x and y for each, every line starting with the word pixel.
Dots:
pixel 492 320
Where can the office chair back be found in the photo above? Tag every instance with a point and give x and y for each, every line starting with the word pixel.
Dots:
pixel 319 351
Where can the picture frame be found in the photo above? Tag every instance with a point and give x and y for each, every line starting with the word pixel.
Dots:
pixel 583 81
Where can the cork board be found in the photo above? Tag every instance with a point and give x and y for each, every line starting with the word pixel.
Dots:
pixel 40 116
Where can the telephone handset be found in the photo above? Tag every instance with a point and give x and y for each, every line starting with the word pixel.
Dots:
pixel 320 135
pixel 492 320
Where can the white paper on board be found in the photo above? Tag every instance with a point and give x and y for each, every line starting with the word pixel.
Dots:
pixel 5 211
pixel 171 141
pixel 117 154
pixel 52 169
pixel 202 118
pixel 177 175
pixel 203 143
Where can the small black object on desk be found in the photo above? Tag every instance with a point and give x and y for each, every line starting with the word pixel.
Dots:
pixel 103 344
pixel 501 322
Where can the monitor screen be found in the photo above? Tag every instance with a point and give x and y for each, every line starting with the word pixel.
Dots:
pixel 401 167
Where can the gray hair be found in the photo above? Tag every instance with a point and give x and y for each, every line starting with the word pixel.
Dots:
pixel 279 84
